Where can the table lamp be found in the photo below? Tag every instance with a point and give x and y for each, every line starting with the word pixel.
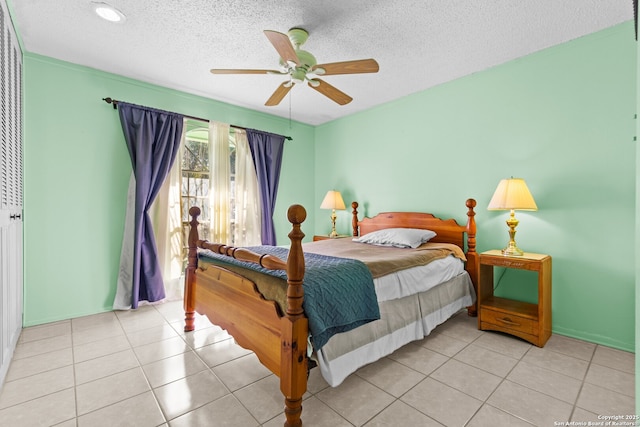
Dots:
pixel 512 194
pixel 333 200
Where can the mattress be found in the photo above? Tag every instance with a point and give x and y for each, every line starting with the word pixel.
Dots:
pixel 391 286
pixel 417 279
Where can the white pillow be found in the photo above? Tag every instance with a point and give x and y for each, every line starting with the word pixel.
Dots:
pixel 397 237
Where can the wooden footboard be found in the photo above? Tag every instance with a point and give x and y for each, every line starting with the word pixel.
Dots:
pixel 234 303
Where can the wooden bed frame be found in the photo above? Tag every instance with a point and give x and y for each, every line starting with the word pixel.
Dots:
pixel 279 339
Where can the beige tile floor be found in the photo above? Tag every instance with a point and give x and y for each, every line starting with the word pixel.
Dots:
pixel 138 368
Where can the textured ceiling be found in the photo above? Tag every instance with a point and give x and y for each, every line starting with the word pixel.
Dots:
pixel 418 43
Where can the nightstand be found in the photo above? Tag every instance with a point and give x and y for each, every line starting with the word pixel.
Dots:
pixel 531 322
pixel 323 237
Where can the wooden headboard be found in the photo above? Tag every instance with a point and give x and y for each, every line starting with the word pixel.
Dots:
pixel 447 230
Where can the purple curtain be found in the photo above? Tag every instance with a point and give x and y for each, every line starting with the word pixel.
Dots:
pixel 266 150
pixel 153 139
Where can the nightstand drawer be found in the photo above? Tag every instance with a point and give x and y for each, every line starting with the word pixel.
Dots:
pixel 509 321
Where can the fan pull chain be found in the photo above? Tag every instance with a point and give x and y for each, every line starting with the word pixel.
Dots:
pixel 290 110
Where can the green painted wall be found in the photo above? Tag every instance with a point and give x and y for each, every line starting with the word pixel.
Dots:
pixel 76 172
pixel 563 119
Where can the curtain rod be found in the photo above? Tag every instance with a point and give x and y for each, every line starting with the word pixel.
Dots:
pixel 115 107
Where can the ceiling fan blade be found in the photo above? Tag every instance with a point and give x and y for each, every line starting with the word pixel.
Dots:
pixel 234 71
pixel 336 95
pixel 279 94
pixel 348 67
pixel 283 45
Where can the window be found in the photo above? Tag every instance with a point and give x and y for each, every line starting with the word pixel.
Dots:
pixel 196 186
pixel 195 179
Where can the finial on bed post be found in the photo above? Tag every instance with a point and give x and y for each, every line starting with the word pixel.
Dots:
pixel 295 326
pixel 472 255
pixel 192 264
pixel 295 262
pixel 471 225
pixel 354 219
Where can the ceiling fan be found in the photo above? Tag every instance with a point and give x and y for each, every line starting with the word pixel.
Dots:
pixel 301 66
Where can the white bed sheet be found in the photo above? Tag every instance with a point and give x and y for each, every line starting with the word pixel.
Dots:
pixel 417 279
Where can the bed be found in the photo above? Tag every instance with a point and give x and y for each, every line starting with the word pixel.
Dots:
pixel 236 288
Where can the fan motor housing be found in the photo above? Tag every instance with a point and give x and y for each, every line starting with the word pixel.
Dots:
pixel 306 59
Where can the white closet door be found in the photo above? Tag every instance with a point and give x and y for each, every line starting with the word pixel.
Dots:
pixel 10 191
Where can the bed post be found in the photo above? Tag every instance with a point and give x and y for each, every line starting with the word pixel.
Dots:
pixel 472 255
pixel 192 264
pixel 354 219
pixel 293 374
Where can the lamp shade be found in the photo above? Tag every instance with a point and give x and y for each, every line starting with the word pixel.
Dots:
pixel 512 193
pixel 333 200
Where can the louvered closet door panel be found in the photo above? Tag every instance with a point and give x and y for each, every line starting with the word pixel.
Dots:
pixel 4 280
pixel 11 190
pixel 4 105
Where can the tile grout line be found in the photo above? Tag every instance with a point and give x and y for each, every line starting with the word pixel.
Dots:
pixel 584 377
pixel 210 369
pixel 502 380
pixel 155 398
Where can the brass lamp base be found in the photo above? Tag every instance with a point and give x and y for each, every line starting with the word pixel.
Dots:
pixel 512 249
pixel 333 233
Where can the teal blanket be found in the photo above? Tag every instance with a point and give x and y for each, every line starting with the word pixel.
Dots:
pixel 338 292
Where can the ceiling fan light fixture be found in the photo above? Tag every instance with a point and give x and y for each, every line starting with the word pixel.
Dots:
pixel 108 12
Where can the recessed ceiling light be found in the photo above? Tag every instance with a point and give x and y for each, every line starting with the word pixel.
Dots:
pixel 107 12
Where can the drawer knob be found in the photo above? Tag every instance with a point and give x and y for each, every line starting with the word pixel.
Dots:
pixel 508 321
